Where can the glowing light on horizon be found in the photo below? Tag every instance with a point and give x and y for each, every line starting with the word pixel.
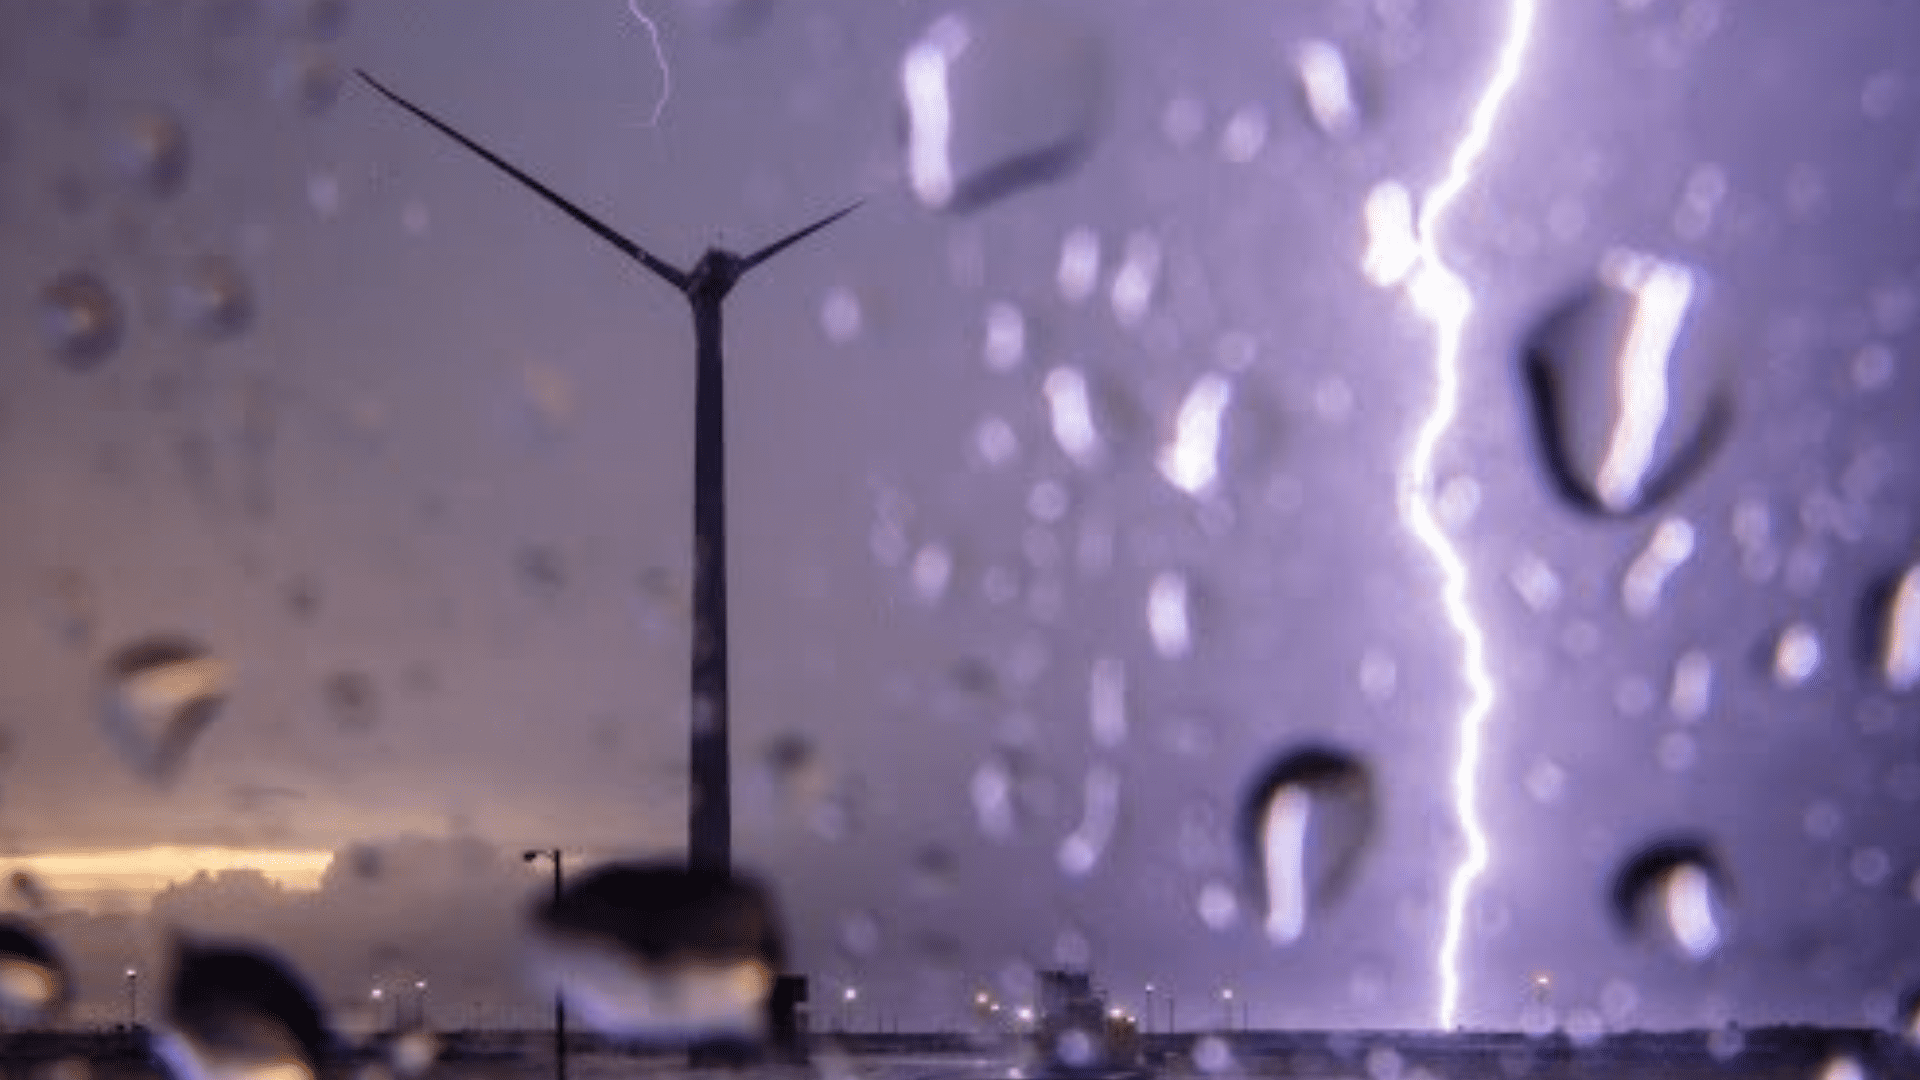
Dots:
pixel 1444 298
pixel 75 874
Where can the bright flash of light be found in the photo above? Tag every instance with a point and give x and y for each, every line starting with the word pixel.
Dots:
pixel 659 57
pixel 1445 299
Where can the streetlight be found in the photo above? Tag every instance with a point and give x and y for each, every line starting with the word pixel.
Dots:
pixel 133 998
pixel 559 999
pixel 1226 1001
pixel 847 998
pixel 420 1003
pixel 1146 1027
pixel 377 995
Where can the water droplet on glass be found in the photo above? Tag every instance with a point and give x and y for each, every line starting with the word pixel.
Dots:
pixel 308 81
pixel 998 99
pixel 81 318
pixel 1304 825
pixel 159 694
pixel 1668 549
pixel 1546 781
pixel 995 442
pixel 1082 849
pixel 27 890
pixel 1796 655
pixel 1190 459
pixel 931 571
pixel 1899 660
pixel 1211 1054
pixel 1107 701
pixel 661 952
pixel 1005 344
pixel 1079 269
pixel 1627 407
pixel 1183 120
pixel 993 791
pixel 1392 244
pixel 1842 1067
pixel 840 316
pixel 1870 866
pixel 1699 200
pixel 1136 278
pixel 1169 624
pixel 1692 690
pixel 212 298
pixel 1217 904
pixel 236 1013
pixel 1378 676
pixel 1244 135
pixel 153 151
pixel 33 980
pixel 352 700
pixel 1536 582
pixel 1070 409
pixel 1327 86
pixel 1675 894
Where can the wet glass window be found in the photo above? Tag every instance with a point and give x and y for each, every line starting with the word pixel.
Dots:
pixel 1053 534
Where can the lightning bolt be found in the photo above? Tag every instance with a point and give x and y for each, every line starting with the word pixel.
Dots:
pixel 659 56
pixel 1444 298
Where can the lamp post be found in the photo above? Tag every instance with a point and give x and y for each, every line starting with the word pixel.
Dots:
pixel 1146 1015
pixel 1226 1002
pixel 133 998
pixel 377 995
pixel 559 999
pixel 420 1004
pixel 847 998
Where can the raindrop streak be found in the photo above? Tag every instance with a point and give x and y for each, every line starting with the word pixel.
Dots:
pixel 1190 460
pixel 999 99
pixel 81 318
pixel 1674 893
pixel 1304 826
pixel 160 693
pixel 234 1013
pixel 1627 408
pixel 1900 637
pixel 661 952
pixel 33 981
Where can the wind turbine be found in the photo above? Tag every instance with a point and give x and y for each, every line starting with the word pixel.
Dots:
pixel 709 815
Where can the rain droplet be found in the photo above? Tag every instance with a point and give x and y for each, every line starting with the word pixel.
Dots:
pixel 1190 459
pixel 309 82
pixel 236 1013
pixel 998 99
pixel 1080 852
pixel 33 980
pixel 1168 621
pixel 661 952
pixel 1183 120
pixel 1304 826
pixel 1244 135
pixel 1328 88
pixel 1546 781
pixel 153 151
pixel 1107 701
pixel 1070 407
pixel 1135 280
pixel 1692 690
pixel 1379 675
pixel 1675 893
pixel 160 693
pixel 352 700
pixel 995 441
pixel 992 790
pixel 1536 582
pixel 1079 269
pixel 1392 244
pixel 932 570
pixel 1219 908
pixel 1668 549
pixel 840 315
pixel 1796 655
pixel 1627 407
pixel 1900 634
pixel 1005 346
pixel 212 298
pixel 1843 1067
pixel 81 319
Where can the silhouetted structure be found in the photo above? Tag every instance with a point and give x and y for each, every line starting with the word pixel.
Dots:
pixel 709 813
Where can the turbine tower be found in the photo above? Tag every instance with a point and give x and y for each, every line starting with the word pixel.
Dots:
pixel 709 813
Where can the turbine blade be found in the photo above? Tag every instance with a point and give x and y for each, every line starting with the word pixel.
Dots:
pixel 667 272
pixel 793 238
